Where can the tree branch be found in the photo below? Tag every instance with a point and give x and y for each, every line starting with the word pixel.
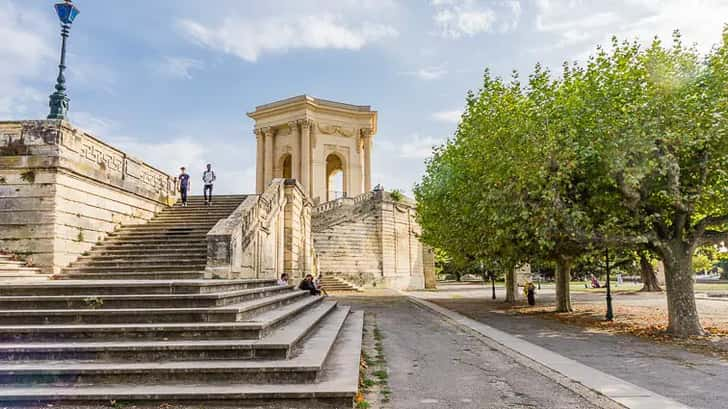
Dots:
pixel 713 237
pixel 705 222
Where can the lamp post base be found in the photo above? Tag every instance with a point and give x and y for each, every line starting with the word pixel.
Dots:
pixel 59 106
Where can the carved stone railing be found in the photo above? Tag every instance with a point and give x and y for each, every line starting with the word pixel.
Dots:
pixel 80 152
pixel 342 202
pixel 252 242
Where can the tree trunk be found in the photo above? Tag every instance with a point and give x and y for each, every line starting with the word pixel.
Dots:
pixel 563 280
pixel 648 275
pixel 682 311
pixel 511 286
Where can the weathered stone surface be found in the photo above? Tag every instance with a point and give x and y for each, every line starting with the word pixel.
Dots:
pixel 371 241
pixel 264 236
pixel 62 190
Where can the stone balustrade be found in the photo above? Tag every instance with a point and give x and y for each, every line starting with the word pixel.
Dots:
pixel 63 189
pixel 342 202
pixel 264 236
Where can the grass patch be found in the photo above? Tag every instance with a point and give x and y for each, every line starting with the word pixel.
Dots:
pixel 381 374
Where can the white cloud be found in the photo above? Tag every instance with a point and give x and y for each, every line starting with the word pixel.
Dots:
pixel 178 67
pixel 248 39
pixel 448 116
pixel 467 18
pixel 413 147
pixel 428 73
pixel 580 26
pixel 169 154
pixel 26 52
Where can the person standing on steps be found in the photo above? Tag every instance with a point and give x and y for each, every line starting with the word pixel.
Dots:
pixel 208 177
pixel 184 185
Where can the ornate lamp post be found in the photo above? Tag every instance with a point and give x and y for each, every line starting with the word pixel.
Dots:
pixel 67 12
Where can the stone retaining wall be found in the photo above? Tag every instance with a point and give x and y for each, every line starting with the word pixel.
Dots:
pixel 372 242
pixel 62 190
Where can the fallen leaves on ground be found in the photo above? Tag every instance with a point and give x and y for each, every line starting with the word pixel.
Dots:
pixel 644 322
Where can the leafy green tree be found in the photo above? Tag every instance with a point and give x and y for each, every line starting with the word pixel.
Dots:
pixel 664 116
pixel 629 151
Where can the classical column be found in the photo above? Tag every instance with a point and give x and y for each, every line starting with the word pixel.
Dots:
pixel 259 183
pixel 268 156
pixel 367 141
pixel 296 155
pixel 306 155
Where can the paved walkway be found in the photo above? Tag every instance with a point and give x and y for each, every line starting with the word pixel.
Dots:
pixel 692 379
pixel 434 364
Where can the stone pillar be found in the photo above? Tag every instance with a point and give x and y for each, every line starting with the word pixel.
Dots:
pixel 367 151
pixel 296 155
pixel 306 155
pixel 259 175
pixel 268 156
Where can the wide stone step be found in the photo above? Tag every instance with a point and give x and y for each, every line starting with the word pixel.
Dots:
pixel 100 301
pixel 167 267
pixel 336 387
pixel 170 226
pixel 174 244
pixel 142 251
pixel 230 313
pixel 162 235
pixel 11 263
pixel 181 214
pixel 129 287
pixel 303 368
pixel 6 279
pixel 171 229
pixel 136 275
pixel 256 328
pixel 142 256
pixel 12 270
pixel 278 345
pixel 199 259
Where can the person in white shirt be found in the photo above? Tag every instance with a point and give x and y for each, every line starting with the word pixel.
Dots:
pixel 208 177
pixel 283 281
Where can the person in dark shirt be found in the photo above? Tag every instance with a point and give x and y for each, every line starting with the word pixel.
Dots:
pixel 308 285
pixel 184 185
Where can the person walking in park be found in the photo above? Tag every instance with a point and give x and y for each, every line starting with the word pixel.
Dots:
pixel 184 185
pixel 208 177
pixel 529 289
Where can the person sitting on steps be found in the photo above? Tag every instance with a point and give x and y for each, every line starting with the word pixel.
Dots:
pixel 283 281
pixel 308 285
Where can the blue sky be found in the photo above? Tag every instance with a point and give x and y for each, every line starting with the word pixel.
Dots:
pixel 171 80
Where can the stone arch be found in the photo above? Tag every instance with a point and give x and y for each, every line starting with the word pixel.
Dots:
pixel 285 164
pixel 336 172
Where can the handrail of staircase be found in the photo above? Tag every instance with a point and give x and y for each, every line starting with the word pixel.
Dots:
pixel 228 241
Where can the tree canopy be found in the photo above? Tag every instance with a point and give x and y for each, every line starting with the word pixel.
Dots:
pixel 628 150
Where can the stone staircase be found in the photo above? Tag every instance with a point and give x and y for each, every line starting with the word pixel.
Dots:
pixel 137 321
pixel 335 284
pixel 14 270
